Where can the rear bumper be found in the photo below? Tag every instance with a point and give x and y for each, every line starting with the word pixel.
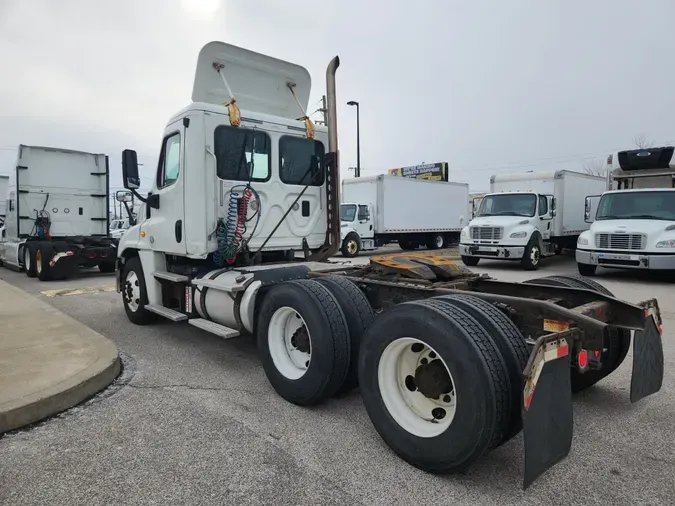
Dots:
pixel 626 260
pixel 497 251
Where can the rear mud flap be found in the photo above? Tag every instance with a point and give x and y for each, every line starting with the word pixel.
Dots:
pixel 547 406
pixel 648 360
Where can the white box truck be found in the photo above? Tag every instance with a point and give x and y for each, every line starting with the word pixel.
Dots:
pixel 528 216
pixel 382 209
pixel 58 213
pixel 633 224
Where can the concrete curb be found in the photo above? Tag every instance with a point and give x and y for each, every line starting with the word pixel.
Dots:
pixel 67 392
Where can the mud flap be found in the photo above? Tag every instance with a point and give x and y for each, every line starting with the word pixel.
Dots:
pixel 547 405
pixel 648 359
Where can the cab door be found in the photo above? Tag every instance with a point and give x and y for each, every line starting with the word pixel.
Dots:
pixel 165 226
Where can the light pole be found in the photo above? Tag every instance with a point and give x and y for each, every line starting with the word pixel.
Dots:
pixel 357 173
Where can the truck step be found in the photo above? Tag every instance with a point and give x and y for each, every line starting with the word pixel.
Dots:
pixel 166 312
pixel 171 276
pixel 214 328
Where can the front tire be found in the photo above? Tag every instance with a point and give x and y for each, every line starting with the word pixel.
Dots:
pixel 134 293
pixel 351 246
pixel 470 261
pixel 303 341
pixel 586 269
pixel 532 256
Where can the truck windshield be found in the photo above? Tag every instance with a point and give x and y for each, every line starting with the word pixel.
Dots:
pixel 508 204
pixel 347 212
pixel 653 205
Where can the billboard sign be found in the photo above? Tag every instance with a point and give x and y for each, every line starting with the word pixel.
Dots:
pixel 432 171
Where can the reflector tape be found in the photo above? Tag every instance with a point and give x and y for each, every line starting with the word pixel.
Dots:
pixel 556 326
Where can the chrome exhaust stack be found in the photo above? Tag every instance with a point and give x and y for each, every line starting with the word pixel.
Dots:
pixel 332 243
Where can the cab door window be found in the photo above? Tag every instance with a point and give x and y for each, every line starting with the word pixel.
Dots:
pixel 169 162
pixel 543 205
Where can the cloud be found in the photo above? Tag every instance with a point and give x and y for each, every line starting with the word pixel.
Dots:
pixel 483 85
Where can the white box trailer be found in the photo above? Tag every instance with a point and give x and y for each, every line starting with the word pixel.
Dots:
pixel 58 213
pixel 530 215
pixel 414 212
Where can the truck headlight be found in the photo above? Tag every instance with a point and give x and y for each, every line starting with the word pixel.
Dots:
pixel 666 244
pixel 518 235
pixel 583 241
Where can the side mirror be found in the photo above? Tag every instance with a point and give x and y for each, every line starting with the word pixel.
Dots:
pixel 591 207
pixel 552 206
pixel 130 176
pixel 123 196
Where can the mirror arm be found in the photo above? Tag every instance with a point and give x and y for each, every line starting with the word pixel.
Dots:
pixel 142 199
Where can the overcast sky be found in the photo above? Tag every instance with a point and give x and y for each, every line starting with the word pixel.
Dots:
pixel 486 85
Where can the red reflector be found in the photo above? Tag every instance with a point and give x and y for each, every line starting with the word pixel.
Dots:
pixel 583 359
pixel 596 353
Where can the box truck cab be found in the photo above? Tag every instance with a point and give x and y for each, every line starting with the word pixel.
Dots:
pixel 528 216
pixel 633 224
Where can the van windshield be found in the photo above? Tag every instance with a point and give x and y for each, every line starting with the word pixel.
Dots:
pixel 653 205
pixel 508 204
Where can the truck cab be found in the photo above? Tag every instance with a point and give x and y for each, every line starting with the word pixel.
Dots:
pixel 504 227
pixel 633 224
pixel 357 232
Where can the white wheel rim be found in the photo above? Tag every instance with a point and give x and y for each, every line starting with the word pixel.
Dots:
pixel 439 241
pixel 290 348
pixel 351 246
pixel 26 258
pixel 412 410
pixel 132 291
pixel 534 255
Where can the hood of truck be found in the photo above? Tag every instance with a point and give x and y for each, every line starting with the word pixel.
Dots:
pixel 507 224
pixel 652 232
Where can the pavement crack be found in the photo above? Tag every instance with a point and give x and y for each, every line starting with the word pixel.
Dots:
pixel 194 387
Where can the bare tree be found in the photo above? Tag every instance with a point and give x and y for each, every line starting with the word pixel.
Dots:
pixel 595 167
pixel 641 142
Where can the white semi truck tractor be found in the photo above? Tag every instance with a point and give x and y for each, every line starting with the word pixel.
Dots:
pixel 633 223
pixel 528 216
pixel 235 239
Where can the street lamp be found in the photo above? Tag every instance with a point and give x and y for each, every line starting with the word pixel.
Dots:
pixel 357 173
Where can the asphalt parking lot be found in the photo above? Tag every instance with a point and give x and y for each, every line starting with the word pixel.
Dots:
pixel 198 423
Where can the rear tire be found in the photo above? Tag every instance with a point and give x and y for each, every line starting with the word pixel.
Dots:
pixel 106 267
pixel 510 342
pixel 586 269
pixel 466 405
pixel 44 255
pixel 436 241
pixel 617 344
pixel 303 341
pixel 134 293
pixel 470 261
pixel 359 315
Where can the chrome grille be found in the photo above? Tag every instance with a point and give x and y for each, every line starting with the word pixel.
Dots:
pixel 486 233
pixel 620 241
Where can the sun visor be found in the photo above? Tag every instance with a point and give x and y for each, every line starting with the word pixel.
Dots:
pixel 258 82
